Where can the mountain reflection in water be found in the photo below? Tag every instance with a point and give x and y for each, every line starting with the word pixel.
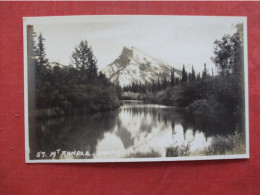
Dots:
pixel 134 127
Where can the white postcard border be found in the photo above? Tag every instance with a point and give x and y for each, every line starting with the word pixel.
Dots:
pixel 80 19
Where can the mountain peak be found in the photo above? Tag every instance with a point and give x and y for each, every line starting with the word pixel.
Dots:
pixel 135 66
pixel 126 52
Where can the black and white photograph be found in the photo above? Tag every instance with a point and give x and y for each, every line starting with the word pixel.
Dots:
pixel 133 88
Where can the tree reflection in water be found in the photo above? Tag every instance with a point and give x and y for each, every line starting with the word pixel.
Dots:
pixel 133 128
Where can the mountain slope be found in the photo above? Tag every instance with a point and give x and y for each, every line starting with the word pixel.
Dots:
pixel 135 66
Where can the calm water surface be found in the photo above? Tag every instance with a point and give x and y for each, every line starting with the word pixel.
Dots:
pixel 133 128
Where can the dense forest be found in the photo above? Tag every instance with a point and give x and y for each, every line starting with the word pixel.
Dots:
pixel 63 90
pixel 164 83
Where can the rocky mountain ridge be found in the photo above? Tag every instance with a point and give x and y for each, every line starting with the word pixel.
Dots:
pixel 135 66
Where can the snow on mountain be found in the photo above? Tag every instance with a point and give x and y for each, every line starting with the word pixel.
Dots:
pixel 135 66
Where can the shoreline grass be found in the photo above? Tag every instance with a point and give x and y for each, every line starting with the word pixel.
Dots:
pixel 150 154
pixel 220 145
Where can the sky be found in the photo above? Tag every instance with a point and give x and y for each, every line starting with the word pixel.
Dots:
pixel 177 40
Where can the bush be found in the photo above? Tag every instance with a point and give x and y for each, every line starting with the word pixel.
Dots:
pixel 174 151
pixel 232 144
pixel 150 154
pixel 72 95
pixel 220 145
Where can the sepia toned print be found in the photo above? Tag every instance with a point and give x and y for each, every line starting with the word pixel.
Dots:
pixel 135 88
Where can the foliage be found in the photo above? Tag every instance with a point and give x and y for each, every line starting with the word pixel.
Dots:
pixel 175 151
pixel 220 145
pixel 223 95
pixel 78 88
pixel 205 72
pixel 83 58
pixel 193 75
pixel 150 154
pixel 44 89
pixel 172 78
pixel 232 144
pixel 162 84
pixel 184 75
pixel 229 53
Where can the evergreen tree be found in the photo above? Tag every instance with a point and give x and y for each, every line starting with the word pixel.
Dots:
pixel 92 67
pixel 184 75
pixel 149 87
pixel 45 90
pixel 229 58
pixel 158 85
pixel 177 81
pixel 204 73
pixel 42 63
pixel 164 84
pixel 198 77
pixel 193 75
pixel 189 77
pixel 153 86
pixel 84 60
pixel 172 77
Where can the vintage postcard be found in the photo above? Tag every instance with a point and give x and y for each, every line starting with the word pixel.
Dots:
pixel 117 88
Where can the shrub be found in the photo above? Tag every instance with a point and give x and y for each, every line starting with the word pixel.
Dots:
pixel 150 154
pixel 220 145
pixel 174 151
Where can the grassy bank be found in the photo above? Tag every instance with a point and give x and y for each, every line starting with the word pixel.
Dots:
pixel 220 145
pixel 150 154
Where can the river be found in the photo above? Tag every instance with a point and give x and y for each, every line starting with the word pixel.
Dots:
pixel 133 130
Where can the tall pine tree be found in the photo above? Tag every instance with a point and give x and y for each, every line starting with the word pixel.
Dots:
pixel 172 77
pixel 164 84
pixel 193 75
pixel 184 75
pixel 198 77
pixel 158 85
pixel 92 66
pixel 84 60
pixel 44 87
pixel 42 63
pixel 204 73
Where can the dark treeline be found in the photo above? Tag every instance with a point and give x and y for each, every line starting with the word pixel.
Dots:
pixel 65 90
pixel 162 84
pixel 218 98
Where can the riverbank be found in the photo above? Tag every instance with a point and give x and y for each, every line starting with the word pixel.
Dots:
pixel 220 145
pixel 58 111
